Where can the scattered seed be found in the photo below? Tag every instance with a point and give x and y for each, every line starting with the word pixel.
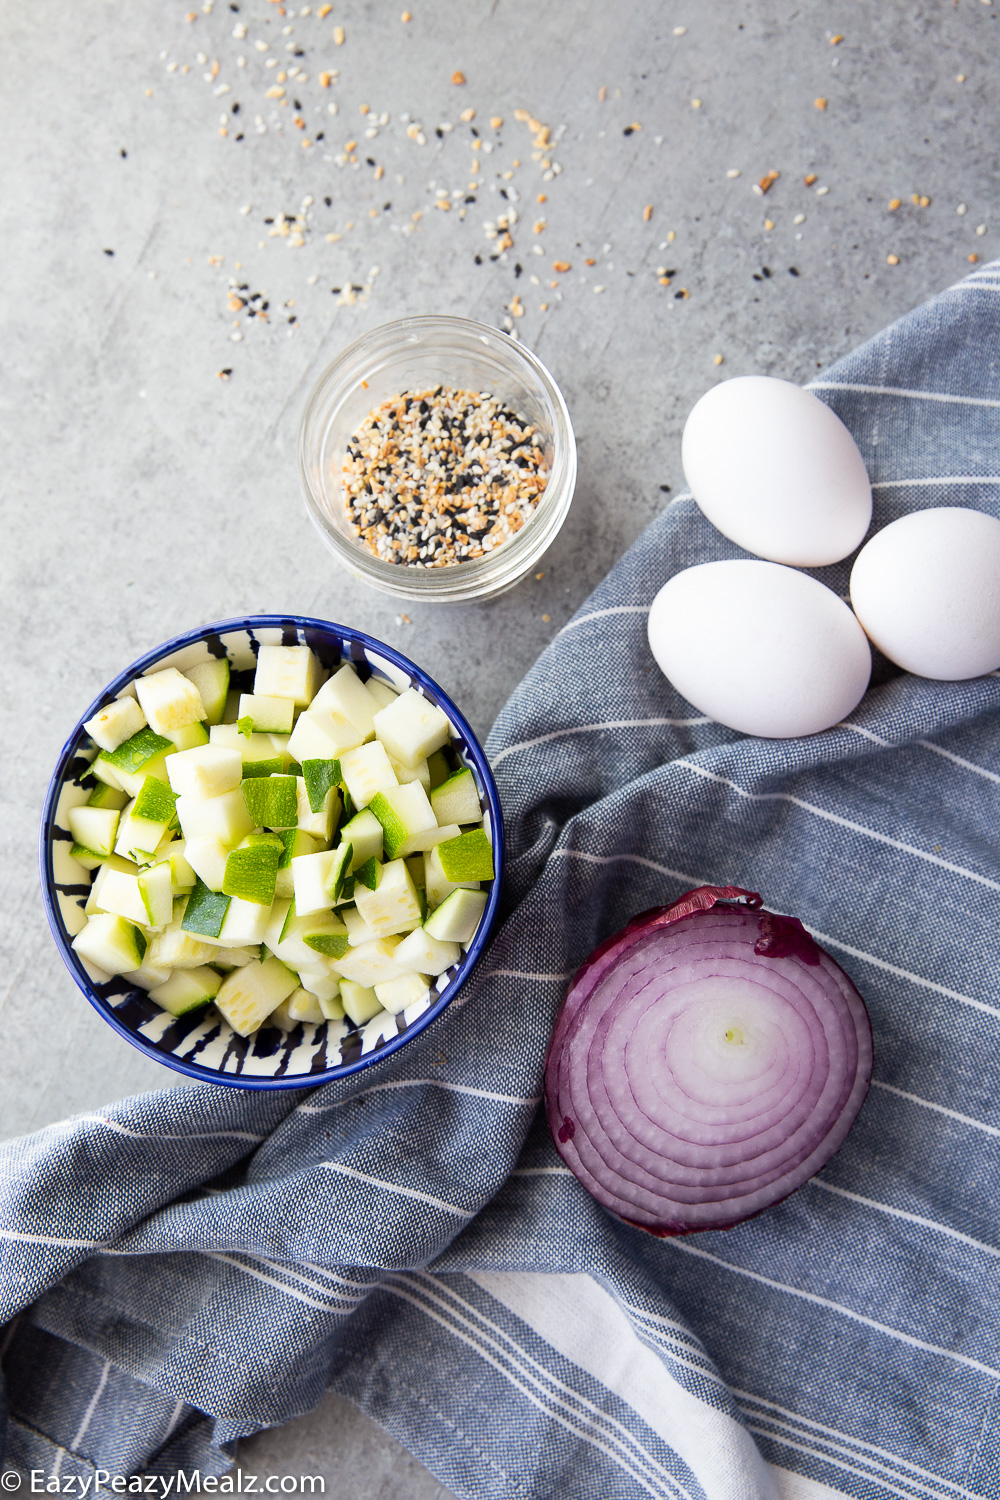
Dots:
pixel 809 179
pixel 647 213
pixel 892 260
pixel 338 36
pixel 458 77
pixel 561 265
pixel 820 103
pixel 894 203
pixel 440 476
pixel 835 41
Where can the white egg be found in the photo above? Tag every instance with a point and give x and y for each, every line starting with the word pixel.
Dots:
pixel 927 590
pixel 759 647
pixel 777 471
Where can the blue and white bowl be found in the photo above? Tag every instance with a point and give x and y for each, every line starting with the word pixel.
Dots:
pixel 203 1045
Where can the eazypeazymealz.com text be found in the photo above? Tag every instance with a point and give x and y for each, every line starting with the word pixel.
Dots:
pixel 165 1486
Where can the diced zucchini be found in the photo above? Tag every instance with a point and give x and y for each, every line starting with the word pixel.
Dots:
pixel 156 892
pixel 320 776
pixel 420 772
pixel 395 995
pixel 346 694
pixel 438 886
pixel 247 996
pixel 332 1006
pixel 224 817
pixel 86 857
pixel 339 866
pixel 321 735
pixel 107 796
pixel 360 1002
pixel 94 828
pixel 211 678
pixel 267 714
pixel 118 892
pixel 412 728
pixel 358 931
pixel 407 818
pixel 251 871
pixel 319 824
pixel 368 874
pixel 182 876
pixel 253 748
pixel 236 958
pixel 370 963
pixel 187 990
pixel 303 1006
pixel 244 924
pixel 271 801
pixel 364 832
pixel 394 905
pixel 366 772
pixel 206 857
pixel 133 756
pixel 288 672
pixel 294 843
pixel 115 862
pixel 148 975
pixel 116 723
pixel 173 948
pixel 325 933
pixel 169 700
pixel 457 800
pixel 467 857
pixel 189 737
pixel 427 954
pixel 381 691
pixel 457 918
pixel 205 911
pixel 310 873
pixel 204 771
pixel 105 772
pixel 112 943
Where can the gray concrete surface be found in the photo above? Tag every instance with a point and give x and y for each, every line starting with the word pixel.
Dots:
pixel 143 493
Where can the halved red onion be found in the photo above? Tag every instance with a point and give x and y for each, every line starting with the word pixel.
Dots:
pixel 707 1061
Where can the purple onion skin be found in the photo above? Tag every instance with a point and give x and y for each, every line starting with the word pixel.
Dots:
pixel 623 989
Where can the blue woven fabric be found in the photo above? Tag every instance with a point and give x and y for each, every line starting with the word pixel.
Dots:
pixel 187 1267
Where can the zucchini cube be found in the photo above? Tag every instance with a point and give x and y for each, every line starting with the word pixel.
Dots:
pixel 247 996
pixel 366 772
pixel 224 817
pixel 407 819
pixel 394 905
pixel 116 723
pixel 204 771
pixel 112 943
pixel 169 700
pixel 457 800
pixel 467 857
pixel 412 728
pixel 394 995
pixel 187 990
pixel 211 678
pixel 206 857
pixel 427 954
pixel 94 828
pixel 457 918
pixel 118 892
pixel 368 964
pixel 322 735
pixel 288 672
pixel 251 872
pixel 271 801
pixel 267 713
pixel 360 1001
pixel 344 693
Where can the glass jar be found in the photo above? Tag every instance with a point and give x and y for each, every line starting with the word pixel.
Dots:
pixel 417 354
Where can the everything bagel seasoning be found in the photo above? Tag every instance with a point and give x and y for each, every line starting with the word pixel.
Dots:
pixel 441 476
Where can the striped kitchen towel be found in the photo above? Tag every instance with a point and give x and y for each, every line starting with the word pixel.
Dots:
pixel 188 1267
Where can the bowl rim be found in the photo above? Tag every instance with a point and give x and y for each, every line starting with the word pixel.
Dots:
pixel 68 753
pixel 475 577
